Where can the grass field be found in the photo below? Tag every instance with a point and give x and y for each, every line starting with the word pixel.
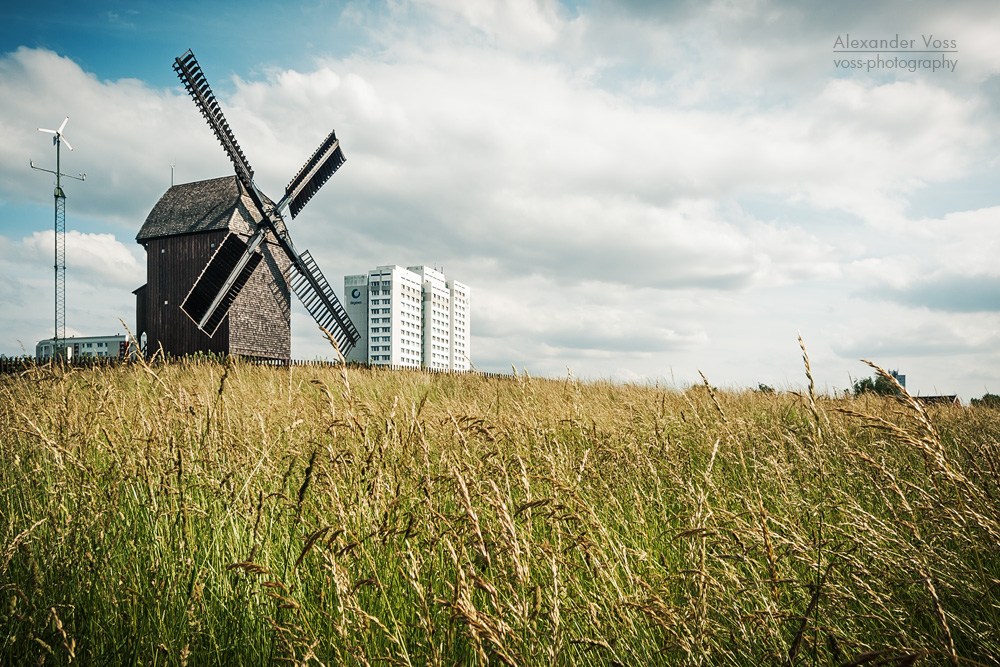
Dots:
pixel 223 513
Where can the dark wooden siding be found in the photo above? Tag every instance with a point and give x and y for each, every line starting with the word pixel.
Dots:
pixel 259 321
pixel 173 264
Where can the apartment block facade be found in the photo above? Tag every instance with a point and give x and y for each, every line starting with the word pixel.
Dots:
pixel 410 317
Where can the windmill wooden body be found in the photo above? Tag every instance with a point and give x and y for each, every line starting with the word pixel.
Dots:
pixel 221 248
pixel 181 234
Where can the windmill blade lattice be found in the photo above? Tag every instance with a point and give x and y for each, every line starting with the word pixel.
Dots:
pixel 317 170
pixel 309 284
pixel 189 72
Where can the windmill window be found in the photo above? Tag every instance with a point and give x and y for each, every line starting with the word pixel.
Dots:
pixel 163 251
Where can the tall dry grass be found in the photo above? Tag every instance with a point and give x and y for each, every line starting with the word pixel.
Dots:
pixel 205 513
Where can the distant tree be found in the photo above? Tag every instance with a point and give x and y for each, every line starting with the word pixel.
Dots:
pixel 864 385
pixel 879 385
pixel 764 389
pixel 987 401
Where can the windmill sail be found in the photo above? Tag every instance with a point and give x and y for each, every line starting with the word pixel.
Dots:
pixel 317 170
pixel 309 284
pixel 190 74
pixel 220 282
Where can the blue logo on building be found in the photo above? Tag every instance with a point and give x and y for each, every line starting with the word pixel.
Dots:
pixel 356 293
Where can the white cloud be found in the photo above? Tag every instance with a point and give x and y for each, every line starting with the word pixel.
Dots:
pixel 964 242
pixel 518 23
pixel 92 257
pixel 559 169
pixel 100 275
pixel 125 136
pixel 921 334
pixel 946 264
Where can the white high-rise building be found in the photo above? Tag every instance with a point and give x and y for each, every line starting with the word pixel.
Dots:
pixel 410 317
pixel 459 326
pixel 435 315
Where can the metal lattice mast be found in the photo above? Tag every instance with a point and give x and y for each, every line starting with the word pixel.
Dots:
pixel 60 265
pixel 60 236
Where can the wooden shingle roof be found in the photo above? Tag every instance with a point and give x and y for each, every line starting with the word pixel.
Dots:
pixel 202 206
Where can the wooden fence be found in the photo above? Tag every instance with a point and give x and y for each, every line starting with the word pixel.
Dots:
pixel 10 365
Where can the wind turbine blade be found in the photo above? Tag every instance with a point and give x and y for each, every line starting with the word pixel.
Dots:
pixel 63 124
pixel 65 142
pixel 42 129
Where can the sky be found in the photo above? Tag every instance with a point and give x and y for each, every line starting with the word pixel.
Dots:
pixel 636 191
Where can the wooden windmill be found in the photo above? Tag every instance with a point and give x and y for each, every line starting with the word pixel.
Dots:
pixel 230 223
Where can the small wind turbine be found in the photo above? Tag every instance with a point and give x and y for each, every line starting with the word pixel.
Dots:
pixel 60 266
